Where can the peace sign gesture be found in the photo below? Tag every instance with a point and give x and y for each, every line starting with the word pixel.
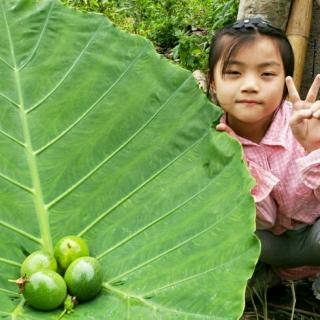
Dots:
pixel 305 119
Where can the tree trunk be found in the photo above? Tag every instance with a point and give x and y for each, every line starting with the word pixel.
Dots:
pixel 275 11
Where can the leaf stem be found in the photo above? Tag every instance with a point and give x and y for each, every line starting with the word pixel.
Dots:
pixel 62 314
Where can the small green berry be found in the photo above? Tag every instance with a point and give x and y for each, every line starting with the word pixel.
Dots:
pixel 45 290
pixel 69 249
pixel 36 261
pixel 84 278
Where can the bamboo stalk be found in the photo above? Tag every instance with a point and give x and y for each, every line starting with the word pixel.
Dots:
pixel 298 31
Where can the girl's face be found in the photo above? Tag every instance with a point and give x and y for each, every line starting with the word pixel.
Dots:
pixel 251 88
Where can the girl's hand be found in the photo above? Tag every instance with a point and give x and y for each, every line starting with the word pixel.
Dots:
pixel 225 128
pixel 305 119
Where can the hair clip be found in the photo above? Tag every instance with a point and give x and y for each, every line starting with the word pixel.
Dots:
pixel 251 23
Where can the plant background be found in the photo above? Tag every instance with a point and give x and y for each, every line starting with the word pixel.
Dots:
pixel 180 30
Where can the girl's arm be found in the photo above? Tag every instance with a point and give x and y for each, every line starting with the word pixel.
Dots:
pixel 305 126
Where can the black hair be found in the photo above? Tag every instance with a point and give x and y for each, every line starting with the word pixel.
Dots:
pixel 240 33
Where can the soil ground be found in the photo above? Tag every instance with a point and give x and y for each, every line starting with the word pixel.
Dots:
pixel 277 303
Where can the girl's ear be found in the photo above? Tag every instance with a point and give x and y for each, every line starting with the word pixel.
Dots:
pixel 213 87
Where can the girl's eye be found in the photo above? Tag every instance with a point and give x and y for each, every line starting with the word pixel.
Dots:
pixel 268 74
pixel 232 72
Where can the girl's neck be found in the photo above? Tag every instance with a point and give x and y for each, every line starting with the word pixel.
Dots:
pixel 253 131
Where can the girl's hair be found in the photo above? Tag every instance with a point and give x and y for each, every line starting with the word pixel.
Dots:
pixel 240 33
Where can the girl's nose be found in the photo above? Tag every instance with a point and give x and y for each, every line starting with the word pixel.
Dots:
pixel 250 84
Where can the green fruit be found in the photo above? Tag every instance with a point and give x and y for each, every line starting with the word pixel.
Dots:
pixel 84 278
pixel 36 261
pixel 69 249
pixel 45 290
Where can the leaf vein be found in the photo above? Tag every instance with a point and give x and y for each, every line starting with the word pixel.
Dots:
pixel 152 223
pixel 18 309
pixel 176 247
pixel 155 306
pixel 10 262
pixel 12 138
pixel 19 231
pixel 6 63
pixel 76 61
pixel 9 292
pixel 16 183
pixel 89 174
pixel 128 308
pixel 10 100
pixel 39 39
pixel 64 132
pixel 103 215
pixel 41 211
pixel 194 276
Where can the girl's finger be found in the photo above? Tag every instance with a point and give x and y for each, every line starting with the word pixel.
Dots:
pixel 292 91
pixel 314 89
pixel 316 114
pixel 300 115
pixel 315 108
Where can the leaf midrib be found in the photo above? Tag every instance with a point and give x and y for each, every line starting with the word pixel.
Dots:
pixel 41 209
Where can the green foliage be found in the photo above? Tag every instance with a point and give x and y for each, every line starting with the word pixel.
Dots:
pixel 102 138
pixel 181 30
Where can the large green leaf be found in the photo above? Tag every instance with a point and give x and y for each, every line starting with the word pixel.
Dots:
pixel 101 137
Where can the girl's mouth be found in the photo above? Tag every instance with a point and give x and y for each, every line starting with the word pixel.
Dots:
pixel 249 102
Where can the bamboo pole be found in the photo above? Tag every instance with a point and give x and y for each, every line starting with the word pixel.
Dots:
pixel 298 31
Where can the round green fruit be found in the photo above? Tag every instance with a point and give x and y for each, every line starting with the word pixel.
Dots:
pixel 69 249
pixel 36 261
pixel 84 278
pixel 45 290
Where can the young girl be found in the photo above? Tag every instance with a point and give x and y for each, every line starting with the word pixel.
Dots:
pixel 250 69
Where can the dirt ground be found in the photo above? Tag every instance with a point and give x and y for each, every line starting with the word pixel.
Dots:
pixel 288 300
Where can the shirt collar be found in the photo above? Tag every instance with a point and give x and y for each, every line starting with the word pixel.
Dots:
pixel 277 132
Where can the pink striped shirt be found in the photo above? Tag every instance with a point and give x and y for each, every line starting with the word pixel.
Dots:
pixel 287 190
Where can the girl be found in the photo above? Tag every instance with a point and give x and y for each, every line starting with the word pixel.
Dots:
pixel 250 69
